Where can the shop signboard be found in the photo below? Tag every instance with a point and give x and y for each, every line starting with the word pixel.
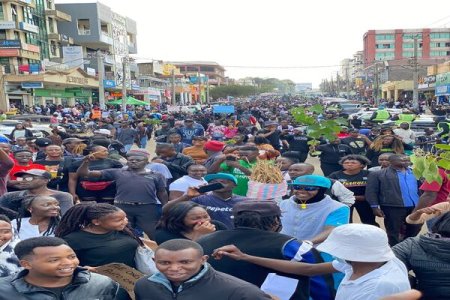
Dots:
pixel 9 52
pixel 443 90
pixel 443 79
pixel 73 56
pixel 10 44
pixel 28 27
pixel 32 85
pixel 7 25
pixel 53 93
pixel 109 84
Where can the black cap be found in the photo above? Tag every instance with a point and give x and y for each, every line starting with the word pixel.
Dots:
pixel 265 208
pixel 35 172
pixel 43 142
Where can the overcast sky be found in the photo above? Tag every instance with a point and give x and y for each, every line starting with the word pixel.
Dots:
pixel 246 35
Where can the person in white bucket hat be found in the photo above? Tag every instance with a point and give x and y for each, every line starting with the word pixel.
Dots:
pixel 361 252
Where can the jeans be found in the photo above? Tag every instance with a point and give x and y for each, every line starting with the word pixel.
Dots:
pixel 394 222
pixel 128 147
pixel 143 143
pixel 143 216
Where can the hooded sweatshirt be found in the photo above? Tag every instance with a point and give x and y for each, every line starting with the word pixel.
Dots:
pixel 429 257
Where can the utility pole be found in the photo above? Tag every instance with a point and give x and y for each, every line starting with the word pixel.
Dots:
pixel 347 79
pixel 124 83
pixel 199 88
pixel 101 76
pixel 415 76
pixel 377 83
pixel 207 89
pixel 173 87
pixel 337 84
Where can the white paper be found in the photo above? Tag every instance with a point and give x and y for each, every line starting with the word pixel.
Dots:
pixel 280 286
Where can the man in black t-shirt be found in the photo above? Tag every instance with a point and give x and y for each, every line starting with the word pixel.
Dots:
pixel 358 143
pixel 297 142
pixel 272 134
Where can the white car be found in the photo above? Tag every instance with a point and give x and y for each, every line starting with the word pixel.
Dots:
pixel 38 130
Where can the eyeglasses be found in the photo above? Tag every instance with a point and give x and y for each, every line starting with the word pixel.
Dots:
pixel 305 188
pixel 25 179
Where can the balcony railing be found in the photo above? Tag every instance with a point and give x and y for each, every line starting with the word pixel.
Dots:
pixel 82 31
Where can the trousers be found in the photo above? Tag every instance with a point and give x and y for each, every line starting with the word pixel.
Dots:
pixel 143 216
pixel 395 224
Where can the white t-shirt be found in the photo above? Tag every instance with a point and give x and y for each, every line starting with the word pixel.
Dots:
pixel 388 279
pixel 184 183
pixel 27 230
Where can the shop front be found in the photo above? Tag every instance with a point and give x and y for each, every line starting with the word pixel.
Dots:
pixel 51 87
pixel 443 86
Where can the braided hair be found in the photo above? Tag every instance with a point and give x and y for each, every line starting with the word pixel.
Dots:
pixel 80 216
pixel 24 212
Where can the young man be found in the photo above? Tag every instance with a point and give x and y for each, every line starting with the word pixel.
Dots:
pixel 184 275
pixel 6 164
pixel 393 193
pixel 51 272
pixel 33 183
pixel 140 192
pixel 362 253
pixel 177 163
pixel 194 178
pixel 23 162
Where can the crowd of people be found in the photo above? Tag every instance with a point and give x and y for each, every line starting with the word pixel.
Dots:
pixel 182 215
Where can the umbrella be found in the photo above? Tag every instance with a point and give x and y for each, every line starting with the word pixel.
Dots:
pixel 130 101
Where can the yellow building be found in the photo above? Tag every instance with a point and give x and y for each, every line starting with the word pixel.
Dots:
pixel 394 89
pixel 58 87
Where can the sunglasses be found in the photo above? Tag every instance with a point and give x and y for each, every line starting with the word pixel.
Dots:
pixel 25 179
pixel 305 188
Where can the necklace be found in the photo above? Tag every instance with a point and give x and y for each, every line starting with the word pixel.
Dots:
pixel 302 203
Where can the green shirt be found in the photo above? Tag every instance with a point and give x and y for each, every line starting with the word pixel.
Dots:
pixel 242 179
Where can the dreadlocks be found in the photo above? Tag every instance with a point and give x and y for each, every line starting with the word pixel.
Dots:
pixel 80 216
pixel 396 145
pixel 24 212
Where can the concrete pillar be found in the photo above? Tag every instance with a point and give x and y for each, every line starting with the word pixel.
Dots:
pixel 90 100
pixel 57 100
pixel 395 94
pixel 182 101
pixel 71 101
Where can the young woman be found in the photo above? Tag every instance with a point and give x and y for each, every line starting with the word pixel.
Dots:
pixel 354 177
pixel 99 235
pixel 20 131
pixel 93 189
pixel 185 220
pixel 9 263
pixel 57 166
pixel 38 216
pixel 266 150
pixel 383 144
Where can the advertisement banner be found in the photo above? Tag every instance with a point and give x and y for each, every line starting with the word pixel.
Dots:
pixel 7 25
pixel 9 52
pixel 443 90
pixel 109 83
pixel 167 70
pixel 29 27
pixel 32 85
pixel 443 79
pixel 73 56
pixel 223 109
pixel 10 44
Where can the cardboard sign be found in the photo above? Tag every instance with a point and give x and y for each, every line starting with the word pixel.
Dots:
pixel 126 276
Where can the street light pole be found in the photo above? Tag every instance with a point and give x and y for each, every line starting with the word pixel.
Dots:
pixel 415 77
pixel 101 76
pixel 124 83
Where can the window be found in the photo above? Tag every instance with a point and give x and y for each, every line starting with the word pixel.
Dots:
pixel 84 27
pixel 4 61
pixel 2 16
pixel 384 37
pixel 53 48
pixel 439 53
pixel 384 55
pixel 411 36
pixel 14 13
pixel 440 35
pixel 2 34
pixel 51 25
pixel 16 35
pixel 207 69
pixel 408 54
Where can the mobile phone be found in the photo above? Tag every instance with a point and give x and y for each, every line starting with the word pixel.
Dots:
pixel 210 187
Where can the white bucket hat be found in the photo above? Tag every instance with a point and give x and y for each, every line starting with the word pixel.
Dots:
pixel 103 131
pixel 358 242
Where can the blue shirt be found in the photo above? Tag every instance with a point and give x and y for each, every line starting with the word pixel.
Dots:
pixel 408 188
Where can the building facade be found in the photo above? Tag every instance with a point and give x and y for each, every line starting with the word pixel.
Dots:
pixel 214 71
pixel 397 44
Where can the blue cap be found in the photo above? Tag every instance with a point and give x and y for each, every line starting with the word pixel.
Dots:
pixel 226 176
pixel 312 180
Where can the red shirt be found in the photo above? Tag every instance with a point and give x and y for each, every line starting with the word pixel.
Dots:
pixel 442 189
pixel 18 168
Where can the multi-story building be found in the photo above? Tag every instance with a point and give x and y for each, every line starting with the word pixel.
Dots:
pixel 397 44
pixel 214 71
pixel 103 33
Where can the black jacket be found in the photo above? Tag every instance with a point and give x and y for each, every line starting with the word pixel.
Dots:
pixel 178 165
pixel 332 153
pixel 85 285
pixel 208 284
pixel 429 258
pixel 383 188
